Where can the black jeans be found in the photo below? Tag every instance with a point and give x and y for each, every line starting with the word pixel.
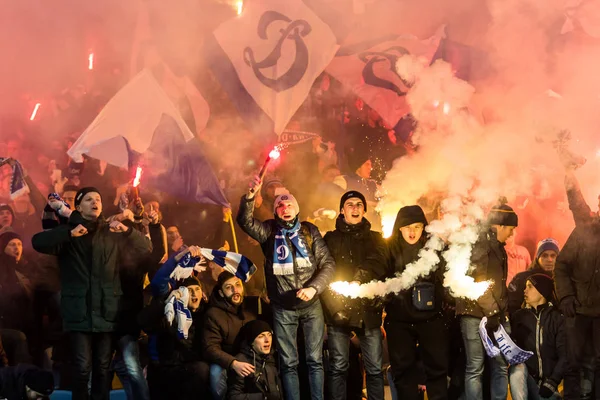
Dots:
pixel 91 352
pixel 432 338
pixel 579 331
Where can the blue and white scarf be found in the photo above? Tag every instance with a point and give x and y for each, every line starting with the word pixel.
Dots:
pixel 511 352
pixel 283 260
pixel 18 186
pixel 176 309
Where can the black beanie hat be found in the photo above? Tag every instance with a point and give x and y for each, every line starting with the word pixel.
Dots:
pixel 9 208
pixel 503 215
pixel 409 215
pixel 223 277
pixel 40 381
pixel 351 194
pixel 255 328
pixel 7 237
pixel 83 191
pixel 357 159
pixel 544 284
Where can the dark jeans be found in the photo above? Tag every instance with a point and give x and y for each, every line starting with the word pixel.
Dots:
pixel 129 369
pixel 91 352
pixel 15 346
pixel 371 346
pixel 285 323
pixel 579 331
pixel 432 338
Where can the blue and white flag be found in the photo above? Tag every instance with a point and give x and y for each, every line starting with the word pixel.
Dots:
pixel 235 263
pixel 18 187
pixel 511 352
pixel 176 310
pixel 277 50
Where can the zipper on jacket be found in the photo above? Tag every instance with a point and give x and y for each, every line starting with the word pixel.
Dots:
pixel 538 338
pixel 292 250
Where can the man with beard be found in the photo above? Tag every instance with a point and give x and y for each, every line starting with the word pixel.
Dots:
pixel 298 268
pixel 360 255
pixel 223 321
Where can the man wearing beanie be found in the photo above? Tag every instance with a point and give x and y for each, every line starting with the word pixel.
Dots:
pixel 223 323
pixel 544 262
pixel 177 368
pixel 578 290
pixel 539 327
pixel 298 268
pixel 489 261
pixel 257 350
pixel 25 382
pixel 360 255
pixel 360 180
pixel 88 251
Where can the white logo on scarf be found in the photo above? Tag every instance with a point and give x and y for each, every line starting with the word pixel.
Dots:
pixel 282 252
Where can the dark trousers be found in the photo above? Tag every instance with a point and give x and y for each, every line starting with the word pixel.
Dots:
pixel 581 330
pixel 186 382
pixel 432 338
pixel 91 352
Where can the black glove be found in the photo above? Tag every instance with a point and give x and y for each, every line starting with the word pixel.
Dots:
pixel 568 306
pixel 493 323
pixel 548 388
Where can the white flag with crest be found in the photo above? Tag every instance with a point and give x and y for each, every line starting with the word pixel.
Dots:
pixel 278 48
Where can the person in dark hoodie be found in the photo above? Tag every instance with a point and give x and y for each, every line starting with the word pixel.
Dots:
pixel 176 369
pixel 538 327
pixel 25 382
pixel 223 321
pixel 257 350
pixel 88 250
pixel 489 261
pixel 545 260
pixel 298 268
pixel 414 316
pixel 360 255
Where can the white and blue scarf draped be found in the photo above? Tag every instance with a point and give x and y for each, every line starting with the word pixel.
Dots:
pixel 283 259
pixel 18 186
pixel 511 352
pixel 176 310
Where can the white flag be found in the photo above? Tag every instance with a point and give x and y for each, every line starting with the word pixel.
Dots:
pixel 278 48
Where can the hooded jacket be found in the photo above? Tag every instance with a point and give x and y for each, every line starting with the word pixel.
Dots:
pixel 360 254
pixel 89 272
pixel 262 384
pixel 489 262
pixel 282 289
pixel 222 324
pixel 541 331
pixel 516 288
pixel 16 296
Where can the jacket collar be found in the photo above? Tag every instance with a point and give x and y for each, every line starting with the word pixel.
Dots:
pixel 362 227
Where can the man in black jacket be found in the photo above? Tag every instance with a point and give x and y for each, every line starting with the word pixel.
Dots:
pixel 360 255
pixel 298 268
pixel 489 262
pixel 88 250
pixel 25 382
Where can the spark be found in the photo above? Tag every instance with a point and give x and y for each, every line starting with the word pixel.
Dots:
pixel 35 110
pixel 91 61
pixel 138 176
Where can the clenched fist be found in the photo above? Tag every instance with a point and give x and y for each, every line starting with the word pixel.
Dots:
pixel 117 226
pixel 78 231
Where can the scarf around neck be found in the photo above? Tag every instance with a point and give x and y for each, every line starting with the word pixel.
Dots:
pixel 283 258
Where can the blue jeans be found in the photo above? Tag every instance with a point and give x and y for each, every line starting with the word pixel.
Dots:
pixel 129 370
pixel 285 323
pixel 475 355
pixel 523 386
pixel 217 382
pixel 371 346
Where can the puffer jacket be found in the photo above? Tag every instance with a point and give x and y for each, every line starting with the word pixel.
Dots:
pixel 222 325
pixel 541 331
pixel 262 384
pixel 490 263
pixel 577 271
pixel 282 288
pixel 360 255
pixel 89 272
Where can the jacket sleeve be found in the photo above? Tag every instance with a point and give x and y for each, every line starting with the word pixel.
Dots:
pixel 160 281
pixel 561 350
pixel 137 242
pixel 577 204
pixel 259 231
pixel 565 262
pixel 376 262
pixel 37 198
pixel 159 244
pixel 325 262
pixel 480 261
pixel 236 386
pixel 212 338
pixel 515 293
pixel 52 241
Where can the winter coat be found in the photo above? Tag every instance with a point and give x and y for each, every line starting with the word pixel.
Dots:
pixel 16 296
pixel 516 288
pixel 12 381
pixel 91 285
pixel 490 263
pixel 542 332
pixel 262 384
pixel 222 324
pixel 282 289
pixel 577 271
pixel 360 254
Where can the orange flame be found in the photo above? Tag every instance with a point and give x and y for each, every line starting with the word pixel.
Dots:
pixel 138 176
pixel 274 154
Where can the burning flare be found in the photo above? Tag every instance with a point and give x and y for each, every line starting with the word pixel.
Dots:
pixel 138 177
pixel 35 110
pixel 91 61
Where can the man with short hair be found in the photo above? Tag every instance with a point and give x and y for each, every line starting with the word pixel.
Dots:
pixel 223 321
pixel 88 250
pixel 174 241
pixel 298 268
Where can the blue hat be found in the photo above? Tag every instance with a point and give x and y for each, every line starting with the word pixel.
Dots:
pixel 545 245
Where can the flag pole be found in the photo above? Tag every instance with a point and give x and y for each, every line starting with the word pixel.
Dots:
pixel 230 218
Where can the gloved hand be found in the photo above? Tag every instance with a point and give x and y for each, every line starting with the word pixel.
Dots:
pixel 568 306
pixel 548 388
pixel 493 323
